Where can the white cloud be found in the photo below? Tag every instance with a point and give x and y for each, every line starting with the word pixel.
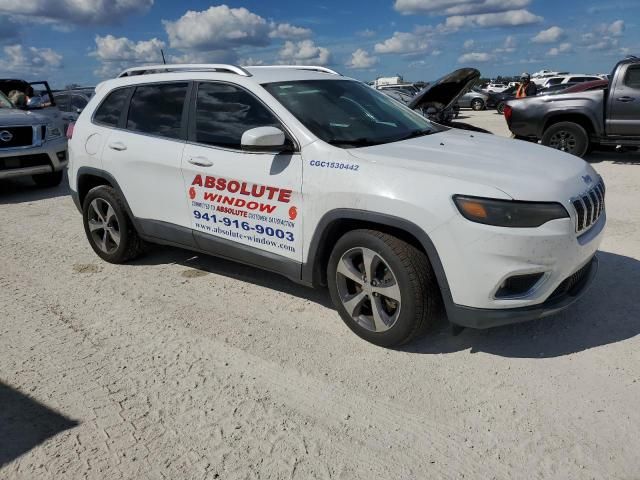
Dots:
pixel 304 53
pixel 29 60
pixel 250 61
pixel 116 54
pixel 218 28
pixel 403 42
pixel 616 28
pixel 361 59
pixel 78 12
pixel 562 48
pixel 512 18
pixel 510 45
pixel 468 44
pixel 550 35
pixel 366 33
pixel 458 7
pixel 475 57
pixel 287 31
pixel 212 56
pixel 604 43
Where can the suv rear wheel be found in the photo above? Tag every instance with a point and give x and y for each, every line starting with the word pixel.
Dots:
pixel 383 287
pixel 48 180
pixel 568 137
pixel 109 229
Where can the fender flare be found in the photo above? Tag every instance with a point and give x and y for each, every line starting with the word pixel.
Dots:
pixel 311 269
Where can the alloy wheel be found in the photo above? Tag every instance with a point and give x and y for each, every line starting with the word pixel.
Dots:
pixel 563 140
pixel 104 226
pixel 368 289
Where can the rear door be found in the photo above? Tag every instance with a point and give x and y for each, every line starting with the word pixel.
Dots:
pixel 144 155
pixel 249 198
pixel 624 103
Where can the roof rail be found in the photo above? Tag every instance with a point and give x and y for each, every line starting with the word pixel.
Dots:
pixel 186 67
pixel 300 67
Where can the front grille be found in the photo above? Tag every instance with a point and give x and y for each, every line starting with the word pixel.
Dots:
pixel 12 137
pixel 24 161
pixel 589 207
pixel 566 287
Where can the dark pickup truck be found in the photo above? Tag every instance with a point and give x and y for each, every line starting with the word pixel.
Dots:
pixel 578 122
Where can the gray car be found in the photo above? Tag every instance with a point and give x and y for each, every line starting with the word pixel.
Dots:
pixel 474 99
pixel 72 102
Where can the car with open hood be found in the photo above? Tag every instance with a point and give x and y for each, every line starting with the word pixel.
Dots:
pixel 323 179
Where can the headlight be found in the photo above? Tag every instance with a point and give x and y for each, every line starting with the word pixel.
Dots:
pixel 52 132
pixel 508 213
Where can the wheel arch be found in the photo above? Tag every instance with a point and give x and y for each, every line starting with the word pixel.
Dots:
pixel 336 223
pixel 578 118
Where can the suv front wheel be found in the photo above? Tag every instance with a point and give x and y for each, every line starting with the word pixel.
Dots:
pixel 383 287
pixel 109 229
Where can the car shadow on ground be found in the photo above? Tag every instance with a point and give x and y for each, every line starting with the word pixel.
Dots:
pixel 22 190
pixel 608 313
pixel 618 158
pixel 25 424
pixel 159 255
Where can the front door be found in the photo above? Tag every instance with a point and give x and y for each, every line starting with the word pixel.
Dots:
pixel 624 104
pixel 250 199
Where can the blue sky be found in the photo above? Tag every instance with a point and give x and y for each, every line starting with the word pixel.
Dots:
pixel 84 41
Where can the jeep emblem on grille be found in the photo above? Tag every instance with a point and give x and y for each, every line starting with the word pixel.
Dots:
pixel 587 179
pixel 6 136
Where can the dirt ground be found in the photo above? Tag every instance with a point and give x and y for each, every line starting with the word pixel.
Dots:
pixel 179 366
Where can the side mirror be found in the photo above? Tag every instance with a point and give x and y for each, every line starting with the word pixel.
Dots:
pixel 263 139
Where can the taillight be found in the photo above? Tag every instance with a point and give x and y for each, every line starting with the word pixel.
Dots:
pixel 508 111
pixel 70 129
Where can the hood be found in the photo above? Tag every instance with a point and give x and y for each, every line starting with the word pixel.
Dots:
pixel 445 92
pixel 10 117
pixel 522 170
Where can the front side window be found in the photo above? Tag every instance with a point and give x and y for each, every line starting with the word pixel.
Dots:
pixel 108 113
pixel 554 81
pixel 157 109
pixel 632 78
pixel 224 112
pixel 347 113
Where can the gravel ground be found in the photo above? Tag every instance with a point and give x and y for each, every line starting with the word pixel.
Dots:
pixel 187 367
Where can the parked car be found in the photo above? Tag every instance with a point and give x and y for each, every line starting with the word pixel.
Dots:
pixel 555 89
pixel 318 177
pixel 31 144
pixel 408 88
pixel 474 99
pixel 72 102
pixel 497 87
pixel 568 79
pixel 576 122
pixel 498 100
pixel 588 86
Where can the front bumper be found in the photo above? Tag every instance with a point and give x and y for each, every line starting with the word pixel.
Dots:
pixel 49 157
pixel 487 318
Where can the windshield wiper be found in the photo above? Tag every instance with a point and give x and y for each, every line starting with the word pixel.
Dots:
pixel 357 142
pixel 415 133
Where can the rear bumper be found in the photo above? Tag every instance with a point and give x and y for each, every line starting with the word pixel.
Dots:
pixel 479 318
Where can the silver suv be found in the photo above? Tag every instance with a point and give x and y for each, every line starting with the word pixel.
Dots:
pixel 32 143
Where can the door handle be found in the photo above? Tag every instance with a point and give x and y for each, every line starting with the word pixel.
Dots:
pixel 117 146
pixel 625 99
pixel 200 162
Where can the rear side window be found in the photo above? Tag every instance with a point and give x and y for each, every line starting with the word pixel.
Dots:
pixel 108 113
pixel 157 109
pixel 224 112
pixel 632 78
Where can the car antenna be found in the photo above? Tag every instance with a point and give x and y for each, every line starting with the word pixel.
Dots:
pixel 164 62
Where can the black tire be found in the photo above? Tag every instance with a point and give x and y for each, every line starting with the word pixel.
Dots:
pixel 477 104
pixel 130 245
pixel 48 180
pixel 500 108
pixel 419 293
pixel 568 137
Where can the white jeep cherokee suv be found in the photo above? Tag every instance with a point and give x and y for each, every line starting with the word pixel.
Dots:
pixel 303 172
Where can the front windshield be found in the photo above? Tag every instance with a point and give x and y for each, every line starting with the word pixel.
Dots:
pixel 4 101
pixel 347 113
